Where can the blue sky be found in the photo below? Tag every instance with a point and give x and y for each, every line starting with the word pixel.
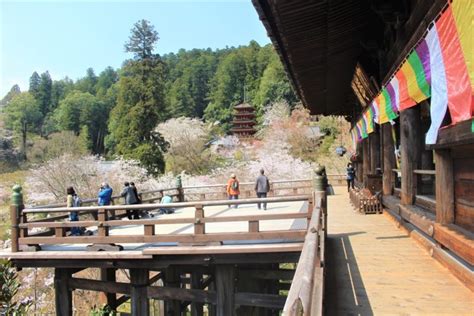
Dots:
pixel 66 37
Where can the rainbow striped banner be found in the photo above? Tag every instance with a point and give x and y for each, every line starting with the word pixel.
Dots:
pixel 440 67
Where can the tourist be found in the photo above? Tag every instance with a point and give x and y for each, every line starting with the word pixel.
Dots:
pixel 139 199
pixel 130 199
pixel 262 186
pixel 166 199
pixel 233 188
pixel 350 176
pixel 73 201
pixel 105 194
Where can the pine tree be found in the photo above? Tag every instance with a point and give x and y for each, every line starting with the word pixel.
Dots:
pixel 44 93
pixel 14 91
pixel 140 105
pixel 35 81
pixel 142 40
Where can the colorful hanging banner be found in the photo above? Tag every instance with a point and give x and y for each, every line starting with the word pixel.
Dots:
pixel 440 67
pixel 451 87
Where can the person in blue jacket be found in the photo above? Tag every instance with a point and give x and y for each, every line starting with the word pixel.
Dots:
pixel 105 194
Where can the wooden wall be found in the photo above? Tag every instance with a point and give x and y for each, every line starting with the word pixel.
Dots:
pixel 463 160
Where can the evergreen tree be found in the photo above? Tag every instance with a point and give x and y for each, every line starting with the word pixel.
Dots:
pixel 140 105
pixel 14 91
pixel 88 83
pixel 142 40
pixel 106 79
pixel 44 93
pixel 227 89
pixel 35 81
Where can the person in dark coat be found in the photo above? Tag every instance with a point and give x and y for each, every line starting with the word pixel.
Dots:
pixel 130 199
pixel 350 176
pixel 262 186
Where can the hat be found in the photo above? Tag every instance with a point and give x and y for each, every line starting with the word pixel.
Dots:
pixel 232 175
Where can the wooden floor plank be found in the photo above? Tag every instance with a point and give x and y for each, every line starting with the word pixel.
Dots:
pixel 378 270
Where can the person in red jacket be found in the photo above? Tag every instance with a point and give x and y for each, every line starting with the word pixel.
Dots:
pixel 233 188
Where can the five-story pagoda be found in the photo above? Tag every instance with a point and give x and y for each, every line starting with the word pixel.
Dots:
pixel 243 125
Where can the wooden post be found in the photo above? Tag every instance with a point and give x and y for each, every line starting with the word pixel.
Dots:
pixel 102 231
pixel 15 214
pixel 366 161
pixel 172 307
pixel 199 227
pixel 324 209
pixel 108 274
pixel 225 290
pixel 410 147
pixel 254 226
pixel 444 187
pixel 374 142
pixel 196 283
pixel 388 159
pixel 139 299
pixel 62 293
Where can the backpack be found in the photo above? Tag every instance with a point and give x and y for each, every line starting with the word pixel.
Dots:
pixel 76 202
pixel 235 185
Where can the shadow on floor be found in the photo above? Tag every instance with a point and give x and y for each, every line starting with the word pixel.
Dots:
pixel 345 293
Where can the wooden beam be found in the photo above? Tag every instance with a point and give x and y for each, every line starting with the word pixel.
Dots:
pixel 196 283
pixel 454 135
pixel 281 274
pixel 260 300
pixel 108 275
pixel 388 159
pixel 410 147
pixel 451 237
pixel 62 293
pixel 99 286
pixel 224 279
pixel 444 187
pixel 139 299
pixel 181 294
pixel 186 238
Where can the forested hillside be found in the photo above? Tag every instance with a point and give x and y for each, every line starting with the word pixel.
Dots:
pixel 115 111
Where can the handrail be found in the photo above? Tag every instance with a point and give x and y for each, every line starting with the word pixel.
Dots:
pixel 306 291
pixel 170 205
pixel 422 171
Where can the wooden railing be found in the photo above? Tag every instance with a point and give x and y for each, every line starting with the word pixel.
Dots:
pixel 306 293
pixel 199 221
pixel 247 189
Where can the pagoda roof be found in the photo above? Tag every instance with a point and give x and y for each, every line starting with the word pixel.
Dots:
pixel 243 106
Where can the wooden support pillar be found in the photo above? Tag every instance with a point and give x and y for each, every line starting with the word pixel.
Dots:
pixel 62 293
pixel 366 161
pixel 388 159
pixel 411 148
pixel 374 143
pixel 172 307
pixel 196 283
pixel 225 290
pixel 139 298
pixel 444 187
pixel 108 274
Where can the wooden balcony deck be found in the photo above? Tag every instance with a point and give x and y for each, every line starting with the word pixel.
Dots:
pixel 374 268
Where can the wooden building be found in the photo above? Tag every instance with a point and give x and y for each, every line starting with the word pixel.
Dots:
pixel 243 124
pixel 348 58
